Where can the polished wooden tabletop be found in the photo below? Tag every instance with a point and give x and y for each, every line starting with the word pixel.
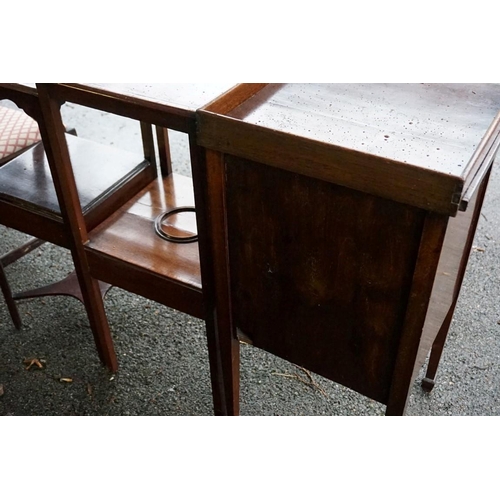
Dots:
pixel 183 96
pixel 169 105
pixel 427 145
pixel 432 126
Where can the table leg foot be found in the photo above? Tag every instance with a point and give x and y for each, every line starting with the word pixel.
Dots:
pixel 428 384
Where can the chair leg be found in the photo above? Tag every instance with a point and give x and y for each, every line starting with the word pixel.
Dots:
pixel 68 286
pixel 7 293
pixel 7 259
pixel 94 305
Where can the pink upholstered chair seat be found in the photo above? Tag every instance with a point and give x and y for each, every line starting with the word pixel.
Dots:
pixel 17 131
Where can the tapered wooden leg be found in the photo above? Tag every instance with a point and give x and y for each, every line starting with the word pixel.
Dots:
pixel 7 293
pixel 56 149
pixel 224 360
pixel 231 376
pixel 216 378
pixel 436 351
pixel 92 299
pixel 423 278
pixel 7 259
pixel 438 345
pixel 223 347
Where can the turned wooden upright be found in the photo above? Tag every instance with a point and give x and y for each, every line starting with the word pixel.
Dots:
pixel 341 221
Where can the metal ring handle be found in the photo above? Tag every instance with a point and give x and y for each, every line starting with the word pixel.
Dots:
pixel 174 239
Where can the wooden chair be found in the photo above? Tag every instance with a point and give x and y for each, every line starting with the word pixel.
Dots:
pixel 32 201
pixel 18 133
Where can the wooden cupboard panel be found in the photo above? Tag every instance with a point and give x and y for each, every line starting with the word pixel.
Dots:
pixel 320 274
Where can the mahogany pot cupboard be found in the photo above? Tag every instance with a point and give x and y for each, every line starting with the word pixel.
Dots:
pixel 333 221
pixel 341 221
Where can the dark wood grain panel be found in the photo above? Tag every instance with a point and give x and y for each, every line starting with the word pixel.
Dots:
pixel 320 274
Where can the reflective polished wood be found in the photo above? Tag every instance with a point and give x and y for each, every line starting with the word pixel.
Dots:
pixel 413 143
pixel 341 219
pixel 154 266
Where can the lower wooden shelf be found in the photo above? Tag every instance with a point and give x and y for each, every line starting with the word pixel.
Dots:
pixel 126 252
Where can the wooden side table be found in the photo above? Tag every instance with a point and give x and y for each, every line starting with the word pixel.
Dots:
pixel 124 250
pixel 341 219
